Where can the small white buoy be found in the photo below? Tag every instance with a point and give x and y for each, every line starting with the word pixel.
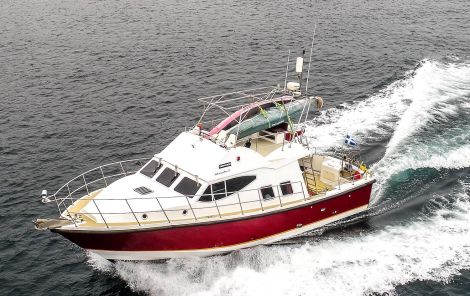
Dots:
pixel 44 197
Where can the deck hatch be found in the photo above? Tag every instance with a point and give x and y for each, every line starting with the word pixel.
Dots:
pixel 143 190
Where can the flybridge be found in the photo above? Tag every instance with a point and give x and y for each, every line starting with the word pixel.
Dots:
pixel 230 118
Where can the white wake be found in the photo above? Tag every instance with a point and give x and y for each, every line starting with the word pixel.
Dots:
pixel 440 95
pixel 432 91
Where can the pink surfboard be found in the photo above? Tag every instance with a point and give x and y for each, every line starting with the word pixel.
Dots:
pixel 243 110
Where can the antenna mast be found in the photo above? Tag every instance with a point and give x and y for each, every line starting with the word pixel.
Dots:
pixel 287 70
pixel 310 60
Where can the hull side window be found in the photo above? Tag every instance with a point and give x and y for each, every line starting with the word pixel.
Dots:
pixel 237 184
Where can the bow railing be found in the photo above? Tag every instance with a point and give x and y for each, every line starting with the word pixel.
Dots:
pixel 92 180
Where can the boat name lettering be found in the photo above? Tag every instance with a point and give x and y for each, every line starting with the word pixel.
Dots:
pixel 225 165
pixel 222 172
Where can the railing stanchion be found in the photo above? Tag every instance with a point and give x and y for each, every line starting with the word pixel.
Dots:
pixel 260 202
pixel 57 203
pixel 163 210
pixel 68 213
pixel 187 200
pixel 122 168
pixel 217 207
pixel 104 178
pixel 240 203
pixel 70 195
pixel 132 212
pixel 278 187
pixel 86 185
pixel 303 191
pixel 102 217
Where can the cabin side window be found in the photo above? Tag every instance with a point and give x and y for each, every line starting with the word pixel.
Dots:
pixel 218 190
pixel 267 192
pixel 167 177
pixel 151 168
pixel 237 184
pixel 187 187
pixel 207 195
pixel 286 188
pixel 226 188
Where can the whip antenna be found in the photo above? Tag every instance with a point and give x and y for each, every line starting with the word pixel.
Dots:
pixel 287 70
pixel 310 60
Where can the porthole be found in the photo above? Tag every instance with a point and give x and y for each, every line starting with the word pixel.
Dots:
pixel 185 212
pixel 144 216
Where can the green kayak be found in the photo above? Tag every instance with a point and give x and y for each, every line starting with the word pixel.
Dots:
pixel 268 118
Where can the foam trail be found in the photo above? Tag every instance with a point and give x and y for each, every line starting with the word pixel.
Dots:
pixel 438 91
pixel 98 262
pixel 432 248
pixel 454 158
pixel 427 93
pixel 375 115
pixel 434 131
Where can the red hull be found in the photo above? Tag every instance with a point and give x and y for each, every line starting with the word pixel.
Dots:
pixel 219 234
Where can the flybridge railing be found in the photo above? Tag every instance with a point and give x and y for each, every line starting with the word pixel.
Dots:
pixel 98 178
pixel 215 208
pixel 239 99
pixel 92 180
pixel 229 102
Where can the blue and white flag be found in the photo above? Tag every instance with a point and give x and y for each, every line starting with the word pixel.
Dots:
pixel 350 141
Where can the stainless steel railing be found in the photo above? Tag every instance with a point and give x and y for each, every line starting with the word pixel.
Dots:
pixel 100 177
pixel 85 182
pixel 216 207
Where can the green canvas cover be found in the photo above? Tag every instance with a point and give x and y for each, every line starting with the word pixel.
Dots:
pixel 268 118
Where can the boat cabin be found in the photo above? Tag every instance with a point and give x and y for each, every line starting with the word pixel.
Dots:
pixel 195 170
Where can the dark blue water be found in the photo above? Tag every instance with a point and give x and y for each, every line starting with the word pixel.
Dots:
pixel 84 83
